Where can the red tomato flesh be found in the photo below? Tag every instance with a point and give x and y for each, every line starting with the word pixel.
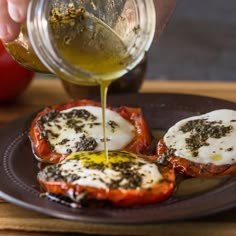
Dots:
pixel 44 152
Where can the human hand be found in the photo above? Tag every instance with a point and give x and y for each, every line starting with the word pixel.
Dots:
pixel 12 14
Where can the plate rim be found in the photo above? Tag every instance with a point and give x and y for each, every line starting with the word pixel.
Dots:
pixel 36 208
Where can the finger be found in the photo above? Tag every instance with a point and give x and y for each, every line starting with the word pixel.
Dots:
pixel 9 29
pixel 18 9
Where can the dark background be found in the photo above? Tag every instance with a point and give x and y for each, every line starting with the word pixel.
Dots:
pixel 198 43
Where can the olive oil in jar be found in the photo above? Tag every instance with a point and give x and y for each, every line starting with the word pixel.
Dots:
pixel 89 44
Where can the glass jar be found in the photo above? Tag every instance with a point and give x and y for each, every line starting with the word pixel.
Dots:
pixel 131 21
pixel 117 14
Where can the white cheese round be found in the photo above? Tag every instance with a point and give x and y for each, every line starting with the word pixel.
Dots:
pixel 216 149
pixel 65 134
pixel 74 170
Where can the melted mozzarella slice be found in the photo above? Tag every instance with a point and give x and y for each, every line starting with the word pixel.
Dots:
pixel 80 128
pixel 208 138
pixel 122 171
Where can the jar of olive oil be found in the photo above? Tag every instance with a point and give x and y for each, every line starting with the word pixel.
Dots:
pixel 50 41
pixel 83 42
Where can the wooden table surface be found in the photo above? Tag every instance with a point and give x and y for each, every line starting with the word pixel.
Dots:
pixel 16 221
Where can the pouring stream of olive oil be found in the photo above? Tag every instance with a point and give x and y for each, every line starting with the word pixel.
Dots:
pixel 91 45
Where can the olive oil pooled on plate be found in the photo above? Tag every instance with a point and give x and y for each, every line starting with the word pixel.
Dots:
pixel 92 46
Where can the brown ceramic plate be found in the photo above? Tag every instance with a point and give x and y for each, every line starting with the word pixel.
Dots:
pixel 18 168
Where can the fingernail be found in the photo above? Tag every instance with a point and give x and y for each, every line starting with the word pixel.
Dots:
pixel 4 32
pixel 14 12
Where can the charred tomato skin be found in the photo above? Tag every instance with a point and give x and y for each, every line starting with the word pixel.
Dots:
pixel 194 169
pixel 161 191
pixel 44 152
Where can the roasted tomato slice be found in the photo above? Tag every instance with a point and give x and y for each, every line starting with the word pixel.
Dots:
pixel 125 180
pixel 189 168
pixel 45 150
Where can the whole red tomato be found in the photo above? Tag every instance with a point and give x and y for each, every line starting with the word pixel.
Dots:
pixel 14 78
